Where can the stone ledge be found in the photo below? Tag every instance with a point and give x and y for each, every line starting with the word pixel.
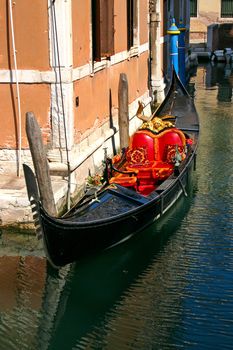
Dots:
pixel 15 210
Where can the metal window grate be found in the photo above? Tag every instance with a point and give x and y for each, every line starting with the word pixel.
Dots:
pixel 193 8
pixel 227 8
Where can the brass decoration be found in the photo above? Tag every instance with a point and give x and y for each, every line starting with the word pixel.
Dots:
pixel 156 125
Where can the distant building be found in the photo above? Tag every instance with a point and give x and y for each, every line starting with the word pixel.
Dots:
pixel 204 13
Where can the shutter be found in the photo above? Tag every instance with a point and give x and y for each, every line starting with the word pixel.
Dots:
pixel 130 11
pixel 96 30
pixel 106 28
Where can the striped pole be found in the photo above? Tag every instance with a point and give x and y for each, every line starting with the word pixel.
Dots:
pixel 173 31
pixel 181 51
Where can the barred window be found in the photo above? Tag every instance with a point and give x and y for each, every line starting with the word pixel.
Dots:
pixel 193 8
pixel 227 8
pixel 169 5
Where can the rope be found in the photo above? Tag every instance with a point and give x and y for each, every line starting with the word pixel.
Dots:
pixel 54 22
pixel 19 129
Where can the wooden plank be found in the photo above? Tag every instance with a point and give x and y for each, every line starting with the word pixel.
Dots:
pixel 123 114
pixel 40 163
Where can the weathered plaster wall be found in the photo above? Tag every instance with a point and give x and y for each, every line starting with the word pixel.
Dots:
pixel 81 14
pixel 86 84
pixel 36 99
pixel 31 34
pixel 120 26
pixel 143 24
pixel 100 93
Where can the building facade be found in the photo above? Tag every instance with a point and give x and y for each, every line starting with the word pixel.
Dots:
pixel 205 13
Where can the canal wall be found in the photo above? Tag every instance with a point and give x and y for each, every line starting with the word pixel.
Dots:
pixel 15 210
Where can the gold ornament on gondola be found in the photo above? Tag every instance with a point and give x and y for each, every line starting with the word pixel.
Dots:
pixel 155 124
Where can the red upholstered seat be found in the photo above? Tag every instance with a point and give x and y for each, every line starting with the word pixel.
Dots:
pixel 151 157
pixel 124 180
pixel 146 147
pixel 141 156
pixel 144 141
pixel 151 153
pixel 173 137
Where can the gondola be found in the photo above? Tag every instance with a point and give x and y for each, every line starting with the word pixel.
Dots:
pixel 140 184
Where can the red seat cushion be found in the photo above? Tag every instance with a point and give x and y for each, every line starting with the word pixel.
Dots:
pixel 143 141
pixel 170 153
pixel 137 155
pixel 124 180
pixel 151 157
pixel 170 137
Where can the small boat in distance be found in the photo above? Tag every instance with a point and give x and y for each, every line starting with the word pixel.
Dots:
pixel 140 185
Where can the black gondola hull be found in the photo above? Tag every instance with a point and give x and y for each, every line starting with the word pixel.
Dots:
pixel 118 213
pixel 66 242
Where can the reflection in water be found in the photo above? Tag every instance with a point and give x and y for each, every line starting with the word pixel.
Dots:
pixel 22 282
pixel 168 288
pixel 220 74
pixel 94 286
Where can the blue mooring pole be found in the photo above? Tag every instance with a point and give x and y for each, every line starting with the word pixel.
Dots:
pixel 173 31
pixel 181 51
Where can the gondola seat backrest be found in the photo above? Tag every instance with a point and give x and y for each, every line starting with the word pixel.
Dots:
pixel 142 148
pixel 146 147
pixel 168 141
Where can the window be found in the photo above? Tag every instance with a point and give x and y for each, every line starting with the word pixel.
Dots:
pixel 169 5
pixel 226 8
pixel 102 29
pixel 193 8
pixel 132 20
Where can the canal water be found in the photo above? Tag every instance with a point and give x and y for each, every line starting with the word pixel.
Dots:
pixel 168 288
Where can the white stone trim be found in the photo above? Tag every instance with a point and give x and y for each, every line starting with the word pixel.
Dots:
pixel 63 12
pixel 61 61
pixel 143 48
pixel 162 40
pixel 68 74
pixel 35 76
pixel 58 134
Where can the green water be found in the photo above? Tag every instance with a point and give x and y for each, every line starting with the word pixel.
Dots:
pixel 168 288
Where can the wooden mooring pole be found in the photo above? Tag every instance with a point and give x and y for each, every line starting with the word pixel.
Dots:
pixel 40 163
pixel 123 114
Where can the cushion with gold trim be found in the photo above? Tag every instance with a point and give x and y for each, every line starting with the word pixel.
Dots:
pixel 137 155
pixel 170 153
